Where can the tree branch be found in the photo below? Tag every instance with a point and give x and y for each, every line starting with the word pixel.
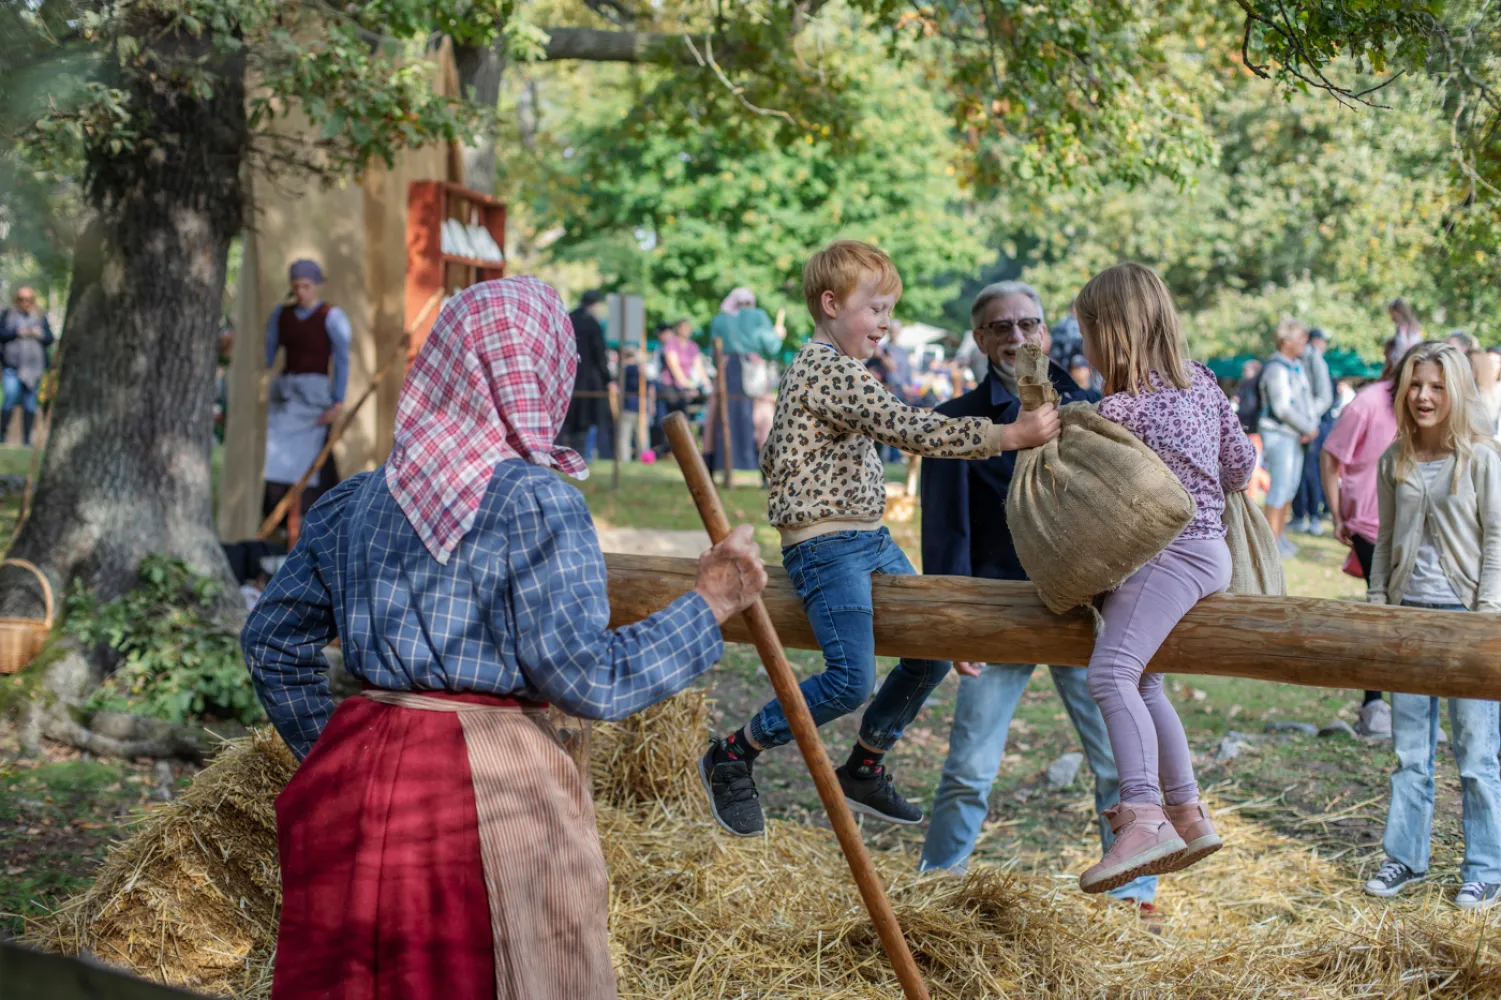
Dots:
pixel 596 45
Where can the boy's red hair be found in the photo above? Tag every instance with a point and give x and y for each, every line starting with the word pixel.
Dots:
pixel 839 267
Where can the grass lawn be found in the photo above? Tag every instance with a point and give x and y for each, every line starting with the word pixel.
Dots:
pixel 58 813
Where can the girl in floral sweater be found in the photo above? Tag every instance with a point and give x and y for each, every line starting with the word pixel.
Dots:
pixel 828 495
pixel 1175 406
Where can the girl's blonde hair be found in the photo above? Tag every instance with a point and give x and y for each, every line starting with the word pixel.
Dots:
pixel 1465 429
pixel 1128 315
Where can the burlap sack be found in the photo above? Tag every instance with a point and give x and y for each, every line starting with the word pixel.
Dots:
pixel 1255 566
pixel 1090 507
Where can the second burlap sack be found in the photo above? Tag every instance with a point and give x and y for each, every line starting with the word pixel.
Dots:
pixel 1092 506
pixel 1255 566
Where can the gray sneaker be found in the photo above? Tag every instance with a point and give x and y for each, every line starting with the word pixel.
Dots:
pixel 1478 895
pixel 1393 877
pixel 1375 719
pixel 1286 547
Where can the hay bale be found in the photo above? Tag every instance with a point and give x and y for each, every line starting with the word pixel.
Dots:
pixel 192 898
pixel 651 758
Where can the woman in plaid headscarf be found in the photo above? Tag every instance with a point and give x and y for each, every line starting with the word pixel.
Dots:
pixel 437 841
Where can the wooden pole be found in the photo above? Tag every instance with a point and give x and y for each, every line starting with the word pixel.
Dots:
pixel 1290 640
pixel 723 448
pixel 643 424
pixel 614 428
pixel 764 634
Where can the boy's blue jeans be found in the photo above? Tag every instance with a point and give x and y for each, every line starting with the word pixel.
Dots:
pixel 832 575
pixel 1474 738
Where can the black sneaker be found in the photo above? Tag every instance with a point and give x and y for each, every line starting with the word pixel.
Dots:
pixel 875 796
pixel 1478 895
pixel 732 792
pixel 1393 877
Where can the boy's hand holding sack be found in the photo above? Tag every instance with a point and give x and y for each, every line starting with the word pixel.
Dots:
pixel 1090 507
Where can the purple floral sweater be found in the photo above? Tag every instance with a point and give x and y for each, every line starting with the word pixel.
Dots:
pixel 1196 433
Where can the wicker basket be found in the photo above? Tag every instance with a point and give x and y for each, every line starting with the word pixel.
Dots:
pixel 22 638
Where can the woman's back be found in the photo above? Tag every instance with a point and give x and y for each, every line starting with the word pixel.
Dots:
pixel 1197 434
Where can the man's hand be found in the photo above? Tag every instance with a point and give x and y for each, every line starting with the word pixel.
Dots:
pixel 331 414
pixel 731 575
pixel 968 669
pixel 1306 438
pixel 1032 428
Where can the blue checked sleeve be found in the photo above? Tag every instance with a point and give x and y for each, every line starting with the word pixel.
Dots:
pixel 284 637
pixel 561 613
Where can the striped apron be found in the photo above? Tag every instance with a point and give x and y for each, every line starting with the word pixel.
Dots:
pixel 440 846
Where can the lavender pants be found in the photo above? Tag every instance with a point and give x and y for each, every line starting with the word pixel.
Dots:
pixel 1145 733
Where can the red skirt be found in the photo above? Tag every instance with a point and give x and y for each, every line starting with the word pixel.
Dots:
pixel 440 848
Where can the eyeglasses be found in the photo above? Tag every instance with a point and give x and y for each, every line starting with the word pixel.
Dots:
pixel 1028 325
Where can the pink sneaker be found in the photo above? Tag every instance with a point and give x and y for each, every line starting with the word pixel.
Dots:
pixel 1192 822
pixel 1144 843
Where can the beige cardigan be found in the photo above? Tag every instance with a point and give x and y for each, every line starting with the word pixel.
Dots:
pixel 1466 525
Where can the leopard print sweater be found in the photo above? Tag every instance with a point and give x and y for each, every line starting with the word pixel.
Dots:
pixel 821 458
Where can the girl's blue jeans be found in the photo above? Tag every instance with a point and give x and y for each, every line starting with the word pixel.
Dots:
pixel 832 575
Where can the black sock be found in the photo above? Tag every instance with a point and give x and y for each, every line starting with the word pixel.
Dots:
pixel 1370 696
pixel 864 763
pixel 737 746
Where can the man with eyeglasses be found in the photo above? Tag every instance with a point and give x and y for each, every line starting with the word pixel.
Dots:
pixel 25 336
pixel 965 534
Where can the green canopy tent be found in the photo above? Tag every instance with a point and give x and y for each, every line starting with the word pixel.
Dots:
pixel 1343 363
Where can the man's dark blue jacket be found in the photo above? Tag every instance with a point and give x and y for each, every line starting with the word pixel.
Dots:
pixel 964 530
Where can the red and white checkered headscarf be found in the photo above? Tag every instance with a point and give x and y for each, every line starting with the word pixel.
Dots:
pixel 492 382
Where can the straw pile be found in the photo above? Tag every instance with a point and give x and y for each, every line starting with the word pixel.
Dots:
pixel 696 914
pixel 192 897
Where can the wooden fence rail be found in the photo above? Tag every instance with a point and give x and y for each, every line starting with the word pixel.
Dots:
pixel 1295 640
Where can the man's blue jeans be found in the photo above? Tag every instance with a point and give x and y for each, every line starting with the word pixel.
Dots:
pixel 832 575
pixel 1409 820
pixel 978 741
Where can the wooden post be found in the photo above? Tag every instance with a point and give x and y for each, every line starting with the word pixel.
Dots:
pixel 1290 640
pixel 643 422
pixel 614 427
pixel 723 448
pixel 764 634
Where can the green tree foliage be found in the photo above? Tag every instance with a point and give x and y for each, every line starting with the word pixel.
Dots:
pixel 1311 209
pixel 720 207
pixel 176 661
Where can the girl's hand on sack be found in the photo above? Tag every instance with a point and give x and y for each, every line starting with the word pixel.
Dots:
pixel 1033 428
pixel 968 669
pixel 731 575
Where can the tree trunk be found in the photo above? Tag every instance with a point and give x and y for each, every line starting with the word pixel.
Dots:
pixel 127 469
pixel 480 68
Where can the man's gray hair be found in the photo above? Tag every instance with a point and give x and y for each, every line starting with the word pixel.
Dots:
pixel 1000 290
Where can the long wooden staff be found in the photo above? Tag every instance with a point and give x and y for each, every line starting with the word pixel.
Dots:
pixel 784 681
pixel 280 510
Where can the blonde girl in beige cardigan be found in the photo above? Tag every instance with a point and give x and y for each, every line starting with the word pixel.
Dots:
pixel 1439 547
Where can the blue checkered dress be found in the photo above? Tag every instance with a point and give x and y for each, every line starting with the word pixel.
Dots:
pixel 520 609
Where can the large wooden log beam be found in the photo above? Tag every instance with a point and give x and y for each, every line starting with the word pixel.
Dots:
pixel 1295 640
